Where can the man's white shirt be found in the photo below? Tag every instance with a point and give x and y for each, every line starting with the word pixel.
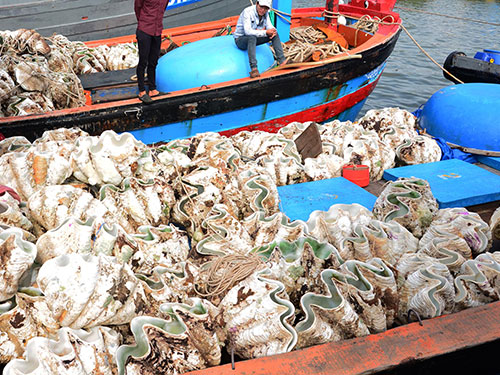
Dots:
pixel 250 24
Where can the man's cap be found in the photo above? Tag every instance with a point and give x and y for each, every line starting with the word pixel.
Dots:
pixel 266 3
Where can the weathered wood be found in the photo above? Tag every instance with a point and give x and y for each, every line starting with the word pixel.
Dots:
pixel 309 142
pixel 375 353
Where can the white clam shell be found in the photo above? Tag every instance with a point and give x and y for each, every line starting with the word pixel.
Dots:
pixel 495 224
pixel 73 352
pixel 17 256
pixel 255 317
pixel 85 291
pixel 418 150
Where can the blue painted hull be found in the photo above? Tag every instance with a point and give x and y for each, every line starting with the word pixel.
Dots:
pixel 269 112
pixel 466 115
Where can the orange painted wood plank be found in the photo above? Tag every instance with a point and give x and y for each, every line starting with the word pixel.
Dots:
pixel 370 354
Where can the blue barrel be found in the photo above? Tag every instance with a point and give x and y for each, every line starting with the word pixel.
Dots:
pixel 467 115
pixel 207 62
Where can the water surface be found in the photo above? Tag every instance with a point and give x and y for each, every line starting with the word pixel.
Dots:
pixel 410 78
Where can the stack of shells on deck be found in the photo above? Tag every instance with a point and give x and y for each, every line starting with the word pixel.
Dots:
pixel 130 259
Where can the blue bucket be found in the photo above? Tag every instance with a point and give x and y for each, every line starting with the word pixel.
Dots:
pixel 495 55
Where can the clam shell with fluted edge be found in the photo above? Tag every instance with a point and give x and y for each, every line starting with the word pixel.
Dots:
pixel 388 241
pixel 110 158
pixel 51 205
pixel 93 236
pixel 338 223
pixel 468 226
pixel 427 288
pixel 138 203
pixel 84 291
pixel 255 315
pixel 418 150
pixel 182 342
pixel 17 257
pixel 410 202
pixel 478 281
pixel 72 352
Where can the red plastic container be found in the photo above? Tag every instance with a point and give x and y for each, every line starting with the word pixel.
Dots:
pixel 358 174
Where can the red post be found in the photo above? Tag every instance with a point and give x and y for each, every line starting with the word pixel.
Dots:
pixel 332 7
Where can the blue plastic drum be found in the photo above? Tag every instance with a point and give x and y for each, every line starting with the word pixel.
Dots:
pixel 467 115
pixel 207 62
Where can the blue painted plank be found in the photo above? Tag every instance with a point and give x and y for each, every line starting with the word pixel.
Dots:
pixel 453 182
pixel 490 161
pixel 299 200
pixel 259 113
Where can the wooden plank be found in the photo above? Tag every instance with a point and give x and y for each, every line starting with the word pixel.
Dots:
pixel 367 355
pixel 309 142
pixel 108 78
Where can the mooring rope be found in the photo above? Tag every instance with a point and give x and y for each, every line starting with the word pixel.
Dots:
pixel 447 16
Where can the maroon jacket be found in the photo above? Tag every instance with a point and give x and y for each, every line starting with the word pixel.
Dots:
pixel 149 15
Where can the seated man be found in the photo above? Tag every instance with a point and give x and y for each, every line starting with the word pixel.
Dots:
pixel 253 28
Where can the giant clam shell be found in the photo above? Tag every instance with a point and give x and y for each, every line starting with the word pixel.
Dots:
pixel 90 236
pixel 427 288
pixel 418 150
pixel 73 352
pixel 122 56
pixel 28 172
pixel 338 223
pixel 478 281
pixel 458 221
pixel 138 203
pixel 16 257
pixel 410 202
pixel 84 291
pixel 164 245
pixel 21 319
pixel 255 313
pixel 12 213
pixel 7 85
pixel 328 315
pixel 388 241
pixel 109 158
pixel 13 144
pixel 298 264
pixel 259 191
pixel 323 166
pixel 51 205
pixel 495 224
pixel 393 125
pixel 183 342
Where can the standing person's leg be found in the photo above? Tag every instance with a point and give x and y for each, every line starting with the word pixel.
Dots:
pixel 154 54
pixel 278 49
pixel 143 44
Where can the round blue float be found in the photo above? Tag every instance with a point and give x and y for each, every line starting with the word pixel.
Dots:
pixel 207 62
pixel 466 115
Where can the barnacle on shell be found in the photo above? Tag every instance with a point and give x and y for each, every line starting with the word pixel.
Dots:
pixel 410 202
pixel 74 351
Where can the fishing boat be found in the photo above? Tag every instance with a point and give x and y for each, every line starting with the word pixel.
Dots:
pixel 96 19
pixel 483 67
pixel 332 87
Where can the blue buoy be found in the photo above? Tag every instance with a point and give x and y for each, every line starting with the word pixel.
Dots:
pixel 207 62
pixel 466 115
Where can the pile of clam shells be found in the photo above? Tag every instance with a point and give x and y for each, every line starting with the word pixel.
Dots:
pixel 124 258
pixel 39 75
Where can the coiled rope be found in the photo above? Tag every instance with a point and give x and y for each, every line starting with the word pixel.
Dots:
pixel 226 271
